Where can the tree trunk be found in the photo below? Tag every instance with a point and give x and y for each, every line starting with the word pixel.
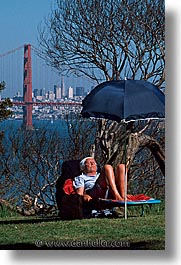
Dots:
pixel 137 141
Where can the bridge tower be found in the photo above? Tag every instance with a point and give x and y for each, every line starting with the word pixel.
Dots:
pixel 27 89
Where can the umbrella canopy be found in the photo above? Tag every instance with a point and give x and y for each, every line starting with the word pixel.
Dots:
pixel 124 100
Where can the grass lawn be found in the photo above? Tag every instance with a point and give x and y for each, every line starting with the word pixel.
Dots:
pixel 147 232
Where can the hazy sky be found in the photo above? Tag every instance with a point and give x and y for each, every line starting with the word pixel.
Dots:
pixel 19 20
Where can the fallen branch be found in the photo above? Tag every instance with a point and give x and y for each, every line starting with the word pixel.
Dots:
pixel 29 208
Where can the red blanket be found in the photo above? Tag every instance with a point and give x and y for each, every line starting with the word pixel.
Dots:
pixel 138 197
pixel 69 189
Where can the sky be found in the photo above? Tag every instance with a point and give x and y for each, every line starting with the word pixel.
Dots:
pixel 19 21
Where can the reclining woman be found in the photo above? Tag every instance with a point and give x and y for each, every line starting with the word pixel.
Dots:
pixel 92 184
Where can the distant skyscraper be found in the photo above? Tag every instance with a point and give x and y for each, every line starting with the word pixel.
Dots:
pixel 51 95
pixel 18 94
pixel 42 92
pixel 70 92
pixel 57 92
pixel 62 88
pixel 54 89
pixel 36 92
pixel 79 91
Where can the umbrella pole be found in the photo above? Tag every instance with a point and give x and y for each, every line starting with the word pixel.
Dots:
pixel 125 178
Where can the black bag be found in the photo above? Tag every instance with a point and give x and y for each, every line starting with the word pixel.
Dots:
pixel 71 207
pixel 70 170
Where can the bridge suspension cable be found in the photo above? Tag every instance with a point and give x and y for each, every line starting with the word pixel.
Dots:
pixel 11 51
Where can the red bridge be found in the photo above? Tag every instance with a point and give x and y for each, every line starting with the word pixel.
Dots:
pixel 27 103
pixel 46 103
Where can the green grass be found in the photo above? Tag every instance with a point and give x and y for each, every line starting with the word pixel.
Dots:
pixel 147 232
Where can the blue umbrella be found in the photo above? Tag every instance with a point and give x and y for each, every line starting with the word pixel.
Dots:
pixel 125 100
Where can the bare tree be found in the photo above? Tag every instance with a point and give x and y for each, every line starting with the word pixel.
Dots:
pixel 80 136
pixel 106 40
pixel 31 163
pixel 30 166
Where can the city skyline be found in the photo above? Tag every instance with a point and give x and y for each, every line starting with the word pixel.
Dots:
pixel 43 76
pixel 41 93
pixel 70 92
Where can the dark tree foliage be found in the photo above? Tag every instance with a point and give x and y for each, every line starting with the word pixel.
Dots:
pixel 5 112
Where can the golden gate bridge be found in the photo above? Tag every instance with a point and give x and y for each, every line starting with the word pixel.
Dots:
pixel 27 102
